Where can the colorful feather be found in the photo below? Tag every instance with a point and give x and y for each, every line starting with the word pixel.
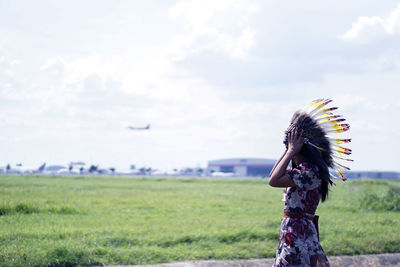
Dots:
pixel 331 121
pixel 340 141
pixel 320 104
pixel 327 117
pixel 338 157
pixel 341 166
pixel 340 174
pixel 338 128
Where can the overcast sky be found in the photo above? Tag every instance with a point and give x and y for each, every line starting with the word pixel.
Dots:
pixel 215 78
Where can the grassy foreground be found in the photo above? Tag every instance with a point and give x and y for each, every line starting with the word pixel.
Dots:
pixel 69 221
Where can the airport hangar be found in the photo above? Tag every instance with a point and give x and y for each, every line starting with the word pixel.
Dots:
pixel 242 166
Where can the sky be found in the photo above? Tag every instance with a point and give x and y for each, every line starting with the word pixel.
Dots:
pixel 214 78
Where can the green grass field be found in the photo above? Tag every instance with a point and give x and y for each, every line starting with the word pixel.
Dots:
pixel 69 221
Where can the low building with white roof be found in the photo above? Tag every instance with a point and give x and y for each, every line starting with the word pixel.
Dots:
pixel 241 167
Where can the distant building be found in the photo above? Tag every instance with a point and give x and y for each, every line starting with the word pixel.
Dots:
pixel 374 175
pixel 241 166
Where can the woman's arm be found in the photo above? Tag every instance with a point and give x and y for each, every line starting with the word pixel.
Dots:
pixel 276 163
pixel 278 177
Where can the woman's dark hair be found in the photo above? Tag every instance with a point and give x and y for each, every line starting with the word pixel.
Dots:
pixel 321 159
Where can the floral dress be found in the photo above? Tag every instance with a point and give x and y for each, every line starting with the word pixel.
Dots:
pixel 299 245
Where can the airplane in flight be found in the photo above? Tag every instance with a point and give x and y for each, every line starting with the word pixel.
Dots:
pixel 139 128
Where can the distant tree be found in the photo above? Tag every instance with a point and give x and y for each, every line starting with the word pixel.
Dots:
pixel 93 168
pixel 8 167
pixel 112 169
pixel 142 170
pixel 188 171
pixel 81 170
pixel 70 168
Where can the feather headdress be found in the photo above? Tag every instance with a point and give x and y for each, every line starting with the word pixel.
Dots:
pixel 330 124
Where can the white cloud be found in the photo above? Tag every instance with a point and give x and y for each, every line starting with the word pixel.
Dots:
pixel 54 66
pixel 218 26
pixel 371 28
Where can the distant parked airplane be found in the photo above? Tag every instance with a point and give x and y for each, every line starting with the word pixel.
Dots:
pixel 21 170
pixel 140 128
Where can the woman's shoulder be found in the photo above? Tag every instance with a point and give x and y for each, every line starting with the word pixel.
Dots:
pixel 306 166
pixel 305 176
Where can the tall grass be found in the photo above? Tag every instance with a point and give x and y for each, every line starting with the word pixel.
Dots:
pixel 388 200
pixel 69 221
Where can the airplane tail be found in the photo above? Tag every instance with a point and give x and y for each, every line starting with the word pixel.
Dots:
pixel 41 168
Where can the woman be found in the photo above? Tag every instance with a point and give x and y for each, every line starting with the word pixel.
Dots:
pixel 309 150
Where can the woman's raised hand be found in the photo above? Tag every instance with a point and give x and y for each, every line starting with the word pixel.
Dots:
pixel 295 140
